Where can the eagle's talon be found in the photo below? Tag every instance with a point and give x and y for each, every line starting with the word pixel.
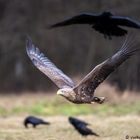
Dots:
pixel 99 100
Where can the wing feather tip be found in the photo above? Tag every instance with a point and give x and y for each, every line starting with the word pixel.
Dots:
pixel 31 48
pixel 131 45
pixel 33 51
pixel 29 44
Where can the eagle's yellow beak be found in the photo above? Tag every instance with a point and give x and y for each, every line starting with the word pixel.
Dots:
pixel 59 92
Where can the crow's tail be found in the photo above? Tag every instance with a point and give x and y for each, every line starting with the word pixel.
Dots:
pixel 45 123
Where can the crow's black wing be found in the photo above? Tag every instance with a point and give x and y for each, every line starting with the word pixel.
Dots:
pixel 111 30
pixel 84 18
pixel 125 21
pixel 87 131
pixel 77 121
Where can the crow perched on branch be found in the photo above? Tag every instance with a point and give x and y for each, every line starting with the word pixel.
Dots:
pixel 105 23
pixel 81 127
pixel 34 121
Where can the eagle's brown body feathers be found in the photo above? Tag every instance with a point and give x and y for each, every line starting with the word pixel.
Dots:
pixel 84 91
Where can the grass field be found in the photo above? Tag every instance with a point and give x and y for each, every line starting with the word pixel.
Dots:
pixel 117 118
pixel 109 128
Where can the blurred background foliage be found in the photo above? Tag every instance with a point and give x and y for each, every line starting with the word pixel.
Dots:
pixel 74 49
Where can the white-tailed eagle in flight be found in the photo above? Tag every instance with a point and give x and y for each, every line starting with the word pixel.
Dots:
pixel 84 91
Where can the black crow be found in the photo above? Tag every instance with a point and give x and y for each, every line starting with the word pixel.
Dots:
pixel 34 121
pixel 105 23
pixel 81 127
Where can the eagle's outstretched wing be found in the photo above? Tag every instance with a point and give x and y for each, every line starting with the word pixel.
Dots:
pixel 125 21
pixel 46 66
pixel 103 70
pixel 84 18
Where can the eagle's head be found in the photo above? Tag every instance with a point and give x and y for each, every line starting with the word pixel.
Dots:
pixel 68 93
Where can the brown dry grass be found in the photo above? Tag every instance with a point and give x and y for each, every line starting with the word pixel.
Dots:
pixel 109 127
pixel 112 94
pixel 26 98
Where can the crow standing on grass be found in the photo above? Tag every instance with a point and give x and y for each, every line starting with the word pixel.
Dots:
pixel 105 23
pixel 34 121
pixel 81 127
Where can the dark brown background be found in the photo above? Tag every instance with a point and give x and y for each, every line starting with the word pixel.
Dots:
pixel 74 49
